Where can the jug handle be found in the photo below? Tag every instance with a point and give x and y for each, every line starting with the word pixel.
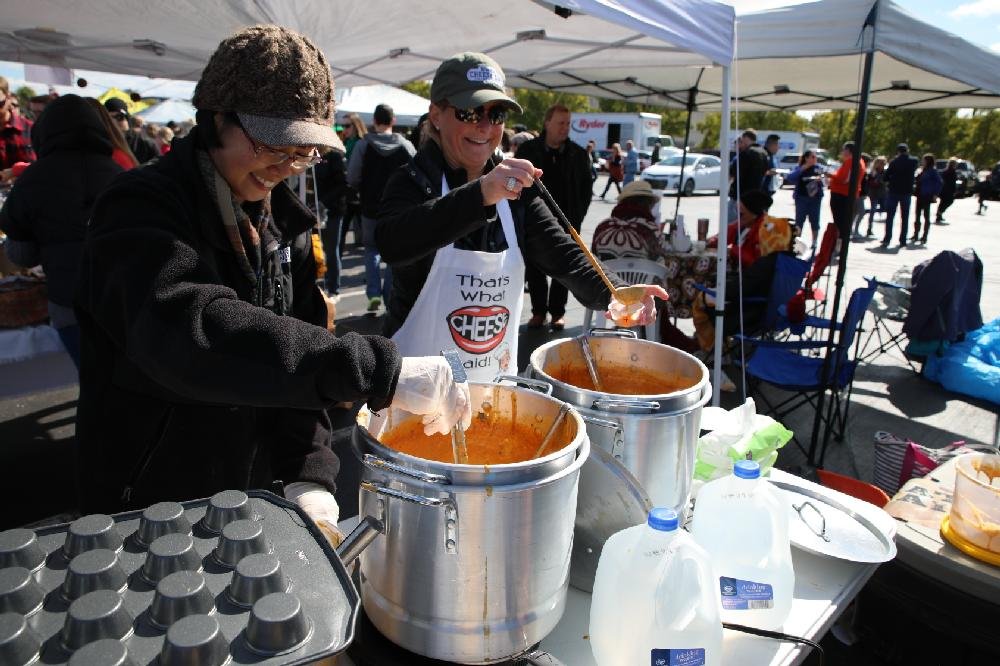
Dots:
pixel 688 565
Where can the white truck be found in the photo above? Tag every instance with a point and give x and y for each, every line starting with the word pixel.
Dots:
pixel 788 142
pixel 605 129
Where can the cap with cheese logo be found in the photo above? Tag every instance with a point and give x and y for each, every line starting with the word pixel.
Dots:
pixel 468 80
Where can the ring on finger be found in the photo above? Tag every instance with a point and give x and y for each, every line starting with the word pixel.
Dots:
pixel 511 184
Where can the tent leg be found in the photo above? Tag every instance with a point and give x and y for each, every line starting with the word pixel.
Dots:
pixel 720 268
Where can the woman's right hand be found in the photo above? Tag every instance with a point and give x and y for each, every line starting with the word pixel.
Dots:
pixel 494 184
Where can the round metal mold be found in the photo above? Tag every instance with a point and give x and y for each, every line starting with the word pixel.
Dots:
pixel 255 577
pixel 179 595
pixel 106 652
pixel 170 553
pixel 20 592
pixel 195 640
pixel 90 533
pixel 20 548
pixel 159 519
pixel 94 570
pixel 224 508
pixel 239 539
pixel 19 645
pixel 277 624
pixel 94 616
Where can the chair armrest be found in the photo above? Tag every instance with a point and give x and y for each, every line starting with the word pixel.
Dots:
pixel 705 290
pixel 786 344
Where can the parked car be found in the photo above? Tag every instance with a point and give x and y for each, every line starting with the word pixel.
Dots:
pixel 701 172
pixel 965 176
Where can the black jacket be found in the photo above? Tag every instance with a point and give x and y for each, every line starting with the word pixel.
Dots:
pixel 752 163
pixel 414 221
pixel 193 378
pixel 141 146
pixel 566 175
pixel 50 203
pixel 899 174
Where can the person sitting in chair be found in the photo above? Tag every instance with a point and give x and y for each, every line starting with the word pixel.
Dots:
pixel 632 231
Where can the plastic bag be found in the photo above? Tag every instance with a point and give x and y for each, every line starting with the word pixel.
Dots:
pixel 737 434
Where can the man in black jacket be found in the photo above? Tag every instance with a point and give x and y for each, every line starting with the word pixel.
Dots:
pixel 748 169
pixel 143 148
pixel 899 183
pixel 205 359
pixel 566 173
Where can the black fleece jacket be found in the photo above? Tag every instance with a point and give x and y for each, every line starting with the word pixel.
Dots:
pixel 415 221
pixel 50 203
pixel 194 379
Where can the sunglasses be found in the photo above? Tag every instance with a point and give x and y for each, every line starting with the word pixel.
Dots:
pixel 119 116
pixel 497 115
pixel 275 157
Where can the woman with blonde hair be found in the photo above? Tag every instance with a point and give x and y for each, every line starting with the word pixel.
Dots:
pixel 354 131
pixel 120 153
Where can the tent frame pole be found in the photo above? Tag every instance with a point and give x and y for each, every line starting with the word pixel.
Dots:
pixel 692 96
pixel 720 260
pixel 828 378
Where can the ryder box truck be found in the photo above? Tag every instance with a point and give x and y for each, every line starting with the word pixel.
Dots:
pixel 605 129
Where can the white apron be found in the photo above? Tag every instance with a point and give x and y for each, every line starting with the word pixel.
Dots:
pixel 471 302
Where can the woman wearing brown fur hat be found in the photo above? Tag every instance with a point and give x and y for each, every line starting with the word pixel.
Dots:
pixel 206 363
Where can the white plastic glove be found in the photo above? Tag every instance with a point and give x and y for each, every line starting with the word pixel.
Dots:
pixel 319 505
pixel 426 387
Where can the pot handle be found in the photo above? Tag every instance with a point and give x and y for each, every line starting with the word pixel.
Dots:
pixel 359 538
pixel 618 443
pixel 613 333
pixel 537 384
pixel 603 404
pixel 373 462
pixel 450 512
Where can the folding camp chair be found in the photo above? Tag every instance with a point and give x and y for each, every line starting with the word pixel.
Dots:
pixel 891 303
pixel 632 271
pixel 783 365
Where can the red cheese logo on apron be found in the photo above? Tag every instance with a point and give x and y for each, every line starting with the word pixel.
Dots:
pixel 478 329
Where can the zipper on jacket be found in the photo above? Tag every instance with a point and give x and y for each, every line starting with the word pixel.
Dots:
pixel 147 458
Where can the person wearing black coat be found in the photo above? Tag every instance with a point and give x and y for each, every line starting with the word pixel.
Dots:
pixel 331 186
pixel 205 359
pixel 566 173
pixel 948 185
pixel 45 216
pixel 899 177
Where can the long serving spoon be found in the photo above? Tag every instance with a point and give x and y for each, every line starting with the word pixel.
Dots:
pixel 588 359
pixel 552 430
pixel 625 295
pixel 459 449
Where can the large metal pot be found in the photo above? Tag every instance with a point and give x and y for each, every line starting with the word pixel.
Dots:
pixel 654 436
pixel 474 564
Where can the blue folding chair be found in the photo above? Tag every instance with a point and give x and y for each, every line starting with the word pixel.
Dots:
pixel 783 365
pixel 789 272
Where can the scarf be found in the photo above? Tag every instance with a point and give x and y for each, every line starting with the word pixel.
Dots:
pixel 243 232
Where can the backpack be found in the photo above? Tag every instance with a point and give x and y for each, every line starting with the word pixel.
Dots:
pixel 376 167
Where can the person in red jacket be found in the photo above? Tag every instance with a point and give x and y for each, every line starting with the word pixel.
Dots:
pixel 838 186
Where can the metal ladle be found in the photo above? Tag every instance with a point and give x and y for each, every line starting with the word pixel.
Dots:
pixel 563 408
pixel 588 359
pixel 459 449
pixel 625 295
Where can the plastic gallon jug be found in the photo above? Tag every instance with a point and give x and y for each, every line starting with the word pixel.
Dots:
pixel 743 525
pixel 654 599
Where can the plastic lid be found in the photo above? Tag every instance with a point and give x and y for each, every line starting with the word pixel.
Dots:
pixel 663 519
pixel 747 469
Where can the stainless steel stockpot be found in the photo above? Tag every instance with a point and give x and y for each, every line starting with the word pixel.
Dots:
pixel 474 563
pixel 654 436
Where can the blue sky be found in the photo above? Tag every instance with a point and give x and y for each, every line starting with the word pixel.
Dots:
pixel 978 21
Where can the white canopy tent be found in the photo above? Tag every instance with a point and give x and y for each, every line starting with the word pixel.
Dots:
pixel 362 100
pixel 177 110
pixel 642 51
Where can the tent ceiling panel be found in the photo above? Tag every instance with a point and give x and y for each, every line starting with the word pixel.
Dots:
pixel 382 41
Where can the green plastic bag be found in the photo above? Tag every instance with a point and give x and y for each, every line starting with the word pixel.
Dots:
pixel 737 434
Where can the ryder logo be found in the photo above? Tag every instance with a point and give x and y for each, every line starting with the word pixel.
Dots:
pixel 582 124
pixel 478 329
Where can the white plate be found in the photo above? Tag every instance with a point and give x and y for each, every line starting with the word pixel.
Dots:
pixel 849 538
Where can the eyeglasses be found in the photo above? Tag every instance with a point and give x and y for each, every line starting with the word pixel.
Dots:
pixel 497 115
pixel 275 157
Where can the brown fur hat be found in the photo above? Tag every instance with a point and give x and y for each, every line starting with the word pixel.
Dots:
pixel 277 81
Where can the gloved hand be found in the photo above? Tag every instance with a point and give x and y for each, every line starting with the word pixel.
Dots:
pixel 426 387
pixel 637 314
pixel 319 505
